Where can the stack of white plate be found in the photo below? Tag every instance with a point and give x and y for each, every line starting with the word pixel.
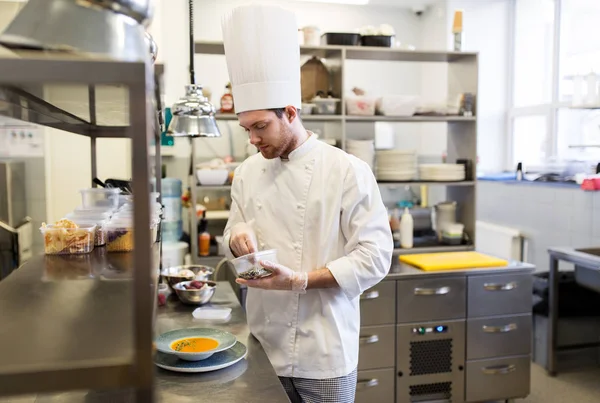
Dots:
pixel 442 172
pixel 396 165
pixel 362 149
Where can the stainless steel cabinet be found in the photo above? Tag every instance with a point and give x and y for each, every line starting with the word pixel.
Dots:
pixel 378 304
pixel 501 294
pixel 375 386
pixel 497 379
pixel 431 299
pixel 376 347
pixel 498 336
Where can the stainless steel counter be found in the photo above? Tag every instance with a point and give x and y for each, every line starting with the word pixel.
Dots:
pixel 250 380
pixel 400 271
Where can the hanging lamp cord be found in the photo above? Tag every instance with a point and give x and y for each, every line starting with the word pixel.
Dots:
pixel 192 73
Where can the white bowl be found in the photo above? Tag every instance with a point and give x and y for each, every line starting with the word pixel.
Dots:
pixel 212 177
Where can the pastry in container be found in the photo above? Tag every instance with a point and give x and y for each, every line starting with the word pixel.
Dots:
pixel 66 237
pixel 119 235
pixel 100 223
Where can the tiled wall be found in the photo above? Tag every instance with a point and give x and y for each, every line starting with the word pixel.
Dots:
pixel 547 215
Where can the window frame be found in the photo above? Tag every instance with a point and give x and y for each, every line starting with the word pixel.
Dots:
pixel 550 109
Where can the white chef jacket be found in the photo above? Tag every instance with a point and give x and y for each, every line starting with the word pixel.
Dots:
pixel 320 208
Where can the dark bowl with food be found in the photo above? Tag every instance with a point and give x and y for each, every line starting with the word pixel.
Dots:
pixel 177 274
pixel 195 292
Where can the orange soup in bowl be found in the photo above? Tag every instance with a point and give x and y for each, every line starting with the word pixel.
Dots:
pixel 194 345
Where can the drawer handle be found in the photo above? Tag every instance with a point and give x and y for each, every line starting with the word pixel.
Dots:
pixel 500 329
pixel 432 291
pixel 500 287
pixel 367 383
pixel 370 295
pixel 372 339
pixel 499 370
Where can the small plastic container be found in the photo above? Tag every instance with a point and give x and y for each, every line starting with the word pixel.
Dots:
pixel 83 212
pixel 100 198
pixel 340 38
pixel 385 41
pixel 325 106
pixel 361 105
pixel 99 234
pixel 119 235
pixel 248 265
pixel 68 241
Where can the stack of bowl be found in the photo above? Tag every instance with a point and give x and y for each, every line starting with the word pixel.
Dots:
pixel 180 279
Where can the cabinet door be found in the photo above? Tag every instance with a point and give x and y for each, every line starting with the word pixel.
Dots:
pixel 375 386
pixel 498 336
pixel 377 347
pixel 502 294
pixel 378 304
pixel 427 299
pixel 499 379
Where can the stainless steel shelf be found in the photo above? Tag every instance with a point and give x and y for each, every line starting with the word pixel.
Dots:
pixel 425 183
pixel 433 249
pixel 419 118
pixel 204 188
pixel 59 334
pixel 357 52
pixel 306 118
pixel 81 94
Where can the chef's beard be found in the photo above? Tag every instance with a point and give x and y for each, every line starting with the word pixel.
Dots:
pixel 287 144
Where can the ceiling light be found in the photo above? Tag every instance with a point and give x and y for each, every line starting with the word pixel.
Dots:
pixel 193 115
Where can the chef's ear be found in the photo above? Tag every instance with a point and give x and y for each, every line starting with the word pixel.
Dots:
pixel 291 113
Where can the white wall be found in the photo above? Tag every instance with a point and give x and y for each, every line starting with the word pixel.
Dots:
pixel 486 25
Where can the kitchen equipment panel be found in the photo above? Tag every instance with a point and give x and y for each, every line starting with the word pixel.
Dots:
pixel 375 386
pixel 498 336
pixel 498 379
pixel 431 299
pixel 502 294
pixel 378 304
pixel 376 348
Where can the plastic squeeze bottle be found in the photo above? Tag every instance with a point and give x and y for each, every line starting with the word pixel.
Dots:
pixel 406 230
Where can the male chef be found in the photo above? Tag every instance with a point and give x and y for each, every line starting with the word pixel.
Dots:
pixel 317 206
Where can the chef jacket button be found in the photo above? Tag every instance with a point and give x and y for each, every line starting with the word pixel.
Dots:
pixel 307 166
pixel 297 246
pixel 290 324
pixel 264 170
pixel 300 206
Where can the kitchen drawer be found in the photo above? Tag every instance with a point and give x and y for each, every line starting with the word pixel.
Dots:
pixel 378 304
pixel 375 386
pixel 499 379
pixel 502 294
pixel 498 336
pixel 377 347
pixel 430 299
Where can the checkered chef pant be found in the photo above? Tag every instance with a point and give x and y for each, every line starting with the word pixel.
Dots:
pixel 332 390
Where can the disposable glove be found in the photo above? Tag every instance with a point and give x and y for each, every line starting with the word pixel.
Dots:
pixel 283 278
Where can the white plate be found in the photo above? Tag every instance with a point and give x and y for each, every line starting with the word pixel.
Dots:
pixel 217 361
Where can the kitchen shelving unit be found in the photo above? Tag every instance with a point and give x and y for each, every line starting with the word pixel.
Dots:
pixel 93 333
pixel 461 130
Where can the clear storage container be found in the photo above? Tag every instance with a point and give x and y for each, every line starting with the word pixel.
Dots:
pixel 119 235
pixel 67 241
pixel 100 233
pixel 361 105
pixel 100 198
pixel 248 266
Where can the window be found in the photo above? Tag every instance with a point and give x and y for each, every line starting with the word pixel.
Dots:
pixel 554 40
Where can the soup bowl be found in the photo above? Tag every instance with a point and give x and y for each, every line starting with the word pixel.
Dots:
pixel 205 342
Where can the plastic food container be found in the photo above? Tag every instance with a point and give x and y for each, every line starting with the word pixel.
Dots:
pixel 82 212
pixel 385 41
pixel 339 38
pixel 325 106
pixel 67 241
pixel 99 233
pixel 361 105
pixel 119 235
pixel 397 105
pixel 100 197
pixel 307 109
pixel 248 266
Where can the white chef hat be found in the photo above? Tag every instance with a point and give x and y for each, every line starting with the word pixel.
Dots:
pixel 263 57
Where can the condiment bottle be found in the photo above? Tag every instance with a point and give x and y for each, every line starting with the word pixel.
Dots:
pixel 227 100
pixel 406 230
pixel 203 236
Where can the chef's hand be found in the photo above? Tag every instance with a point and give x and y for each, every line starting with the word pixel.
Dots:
pixel 243 239
pixel 283 278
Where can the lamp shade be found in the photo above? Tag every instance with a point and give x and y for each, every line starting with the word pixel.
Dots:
pixel 193 115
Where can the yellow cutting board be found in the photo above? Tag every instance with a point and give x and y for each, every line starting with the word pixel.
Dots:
pixel 452 261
